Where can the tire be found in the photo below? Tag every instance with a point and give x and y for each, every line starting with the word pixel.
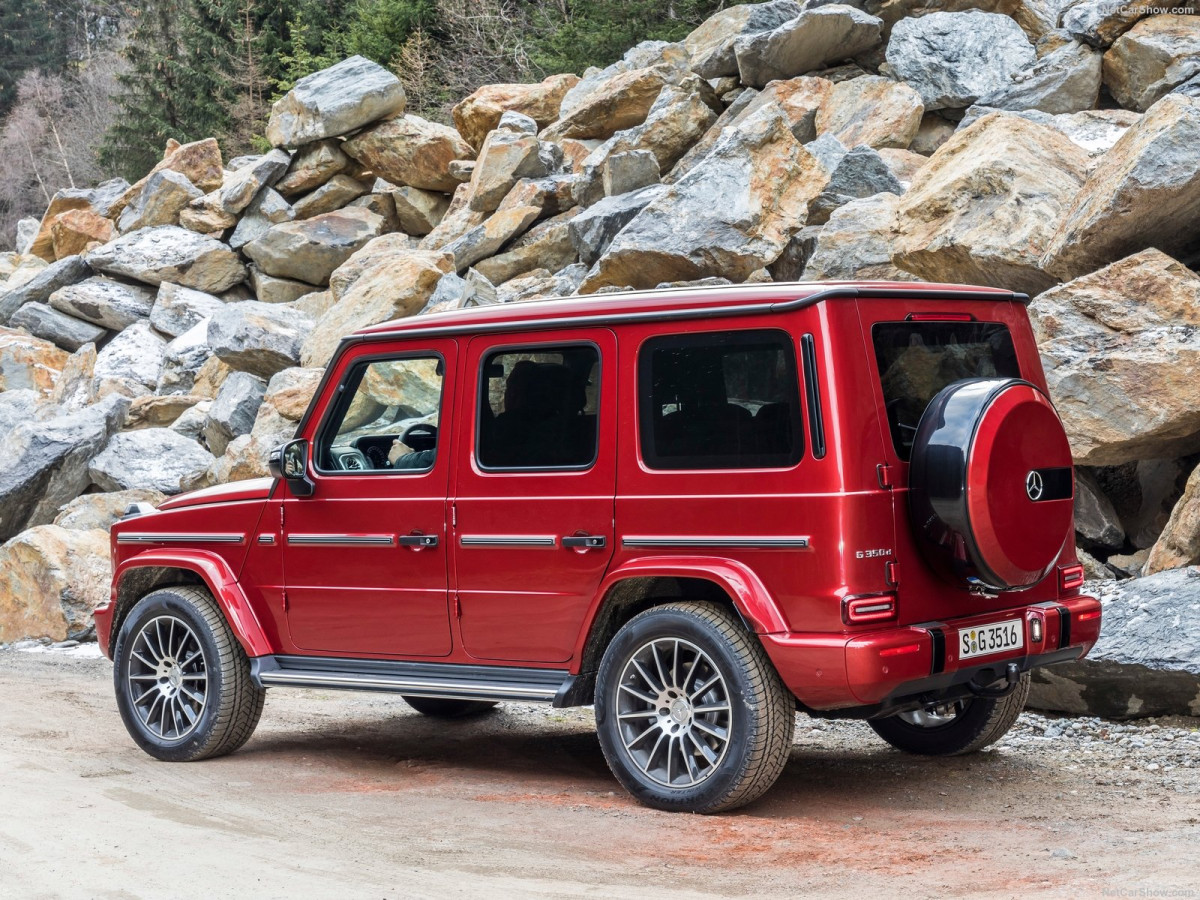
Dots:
pixel 973 725
pixel 442 708
pixel 722 751
pixel 199 700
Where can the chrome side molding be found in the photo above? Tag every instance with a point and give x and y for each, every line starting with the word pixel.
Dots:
pixel 796 542
pixel 179 537
pixel 508 540
pixel 341 540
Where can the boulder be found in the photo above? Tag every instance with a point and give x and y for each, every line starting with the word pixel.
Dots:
pixel 1147 661
pixel 162 198
pixel 1065 81
pixel 857 243
pixel 290 392
pixel 730 216
pixel 953 59
pixel 1179 543
pixel 547 245
pixel 392 286
pixel 312 166
pixel 110 304
pixel 131 363
pixel 335 101
pixel 506 157
pixel 100 201
pixel 1099 22
pixel 241 186
pixel 480 112
pixel 1155 56
pixel 45 462
pixel 199 162
pixel 710 47
pixel 99 512
pixel 205 216
pixel 903 164
pixel 310 250
pixel 151 411
pixel 934 131
pixel 259 338
pixel 871 110
pixel 58 328
pixel 345 275
pixel 619 102
pixel 191 421
pixel 73 389
pixel 382 204
pixel 50 581
pixel 418 211
pixel 29 363
pixel 27 230
pixel 1131 329
pixel 410 150
pixel 592 231
pixel 232 412
pixel 818 36
pixel 337 192
pixel 1096 131
pixel 269 289
pixel 38 289
pixel 1096 521
pixel 170 253
pixel 75 229
pixel 156 458
pixel 1145 192
pixel 629 171
pixel 267 209
pixel 856 173
pixel 184 359
pixel 986 205
pixel 1190 88
pixel 177 309
pixel 527 202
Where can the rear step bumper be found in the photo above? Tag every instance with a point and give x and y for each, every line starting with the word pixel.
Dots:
pixel 459 682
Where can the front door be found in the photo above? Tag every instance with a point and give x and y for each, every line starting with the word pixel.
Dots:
pixel 365 555
pixel 534 489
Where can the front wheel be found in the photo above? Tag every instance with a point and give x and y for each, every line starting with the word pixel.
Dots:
pixel 691 715
pixel 956 728
pixel 182 680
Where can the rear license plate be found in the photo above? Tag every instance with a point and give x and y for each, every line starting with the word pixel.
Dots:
pixel 988 639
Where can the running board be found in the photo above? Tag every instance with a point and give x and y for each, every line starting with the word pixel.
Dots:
pixel 416 679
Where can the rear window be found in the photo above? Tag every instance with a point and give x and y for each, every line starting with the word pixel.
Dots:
pixel 727 400
pixel 918 359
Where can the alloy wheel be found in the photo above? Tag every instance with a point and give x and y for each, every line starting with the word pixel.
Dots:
pixel 167 678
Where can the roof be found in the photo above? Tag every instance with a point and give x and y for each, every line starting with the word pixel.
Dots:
pixel 670 303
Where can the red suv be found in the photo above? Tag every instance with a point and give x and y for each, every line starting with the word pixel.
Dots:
pixel 699 509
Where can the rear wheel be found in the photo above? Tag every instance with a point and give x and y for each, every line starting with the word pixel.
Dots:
pixel 691 715
pixel 442 708
pixel 182 680
pixel 956 728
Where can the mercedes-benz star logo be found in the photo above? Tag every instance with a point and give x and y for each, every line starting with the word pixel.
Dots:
pixel 1034 486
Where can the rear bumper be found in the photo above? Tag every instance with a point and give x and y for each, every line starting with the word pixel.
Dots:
pixel 885 669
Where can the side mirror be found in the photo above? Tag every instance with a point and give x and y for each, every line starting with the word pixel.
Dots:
pixel 290 462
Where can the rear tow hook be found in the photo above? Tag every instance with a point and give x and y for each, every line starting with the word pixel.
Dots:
pixel 1012 677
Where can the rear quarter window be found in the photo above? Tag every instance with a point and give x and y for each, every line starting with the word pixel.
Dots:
pixel 918 359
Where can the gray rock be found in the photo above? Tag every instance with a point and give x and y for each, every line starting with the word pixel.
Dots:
pixel 191 422
pixel 130 363
pixel 310 250
pixel 44 463
pixel 860 172
pixel 170 253
pixel 418 211
pixel 810 41
pixel 164 196
pixel 312 165
pixel 232 413
pixel 104 302
pixel 156 458
pixel 69 270
pixel 1100 22
pixel 102 198
pixel 452 292
pixel 593 230
pixel 1189 88
pixel 259 338
pixel 518 122
pixel 856 243
pixel 183 359
pixel 710 47
pixel 269 289
pixel 242 186
pixel 795 256
pixel 337 192
pixel 27 230
pixel 629 171
pixel 1095 130
pixel 1096 521
pixel 178 309
pixel 58 328
pixel 335 101
pixel 267 209
pixel 1065 81
pixel 1147 661
pixel 953 59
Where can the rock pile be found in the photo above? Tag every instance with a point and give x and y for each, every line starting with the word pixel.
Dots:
pixel 164 335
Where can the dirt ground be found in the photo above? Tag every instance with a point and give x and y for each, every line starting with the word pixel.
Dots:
pixel 346 795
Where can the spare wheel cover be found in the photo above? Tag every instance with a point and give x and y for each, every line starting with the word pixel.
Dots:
pixel 991 483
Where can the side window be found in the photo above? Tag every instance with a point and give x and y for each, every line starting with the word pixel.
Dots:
pixel 726 400
pixel 385 418
pixel 537 408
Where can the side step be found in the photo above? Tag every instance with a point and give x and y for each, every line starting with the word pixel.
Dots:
pixel 448 680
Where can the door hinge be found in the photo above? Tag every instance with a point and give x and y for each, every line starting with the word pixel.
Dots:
pixel 457 607
pixel 281 515
pixel 883 472
pixel 285 601
pixel 453 516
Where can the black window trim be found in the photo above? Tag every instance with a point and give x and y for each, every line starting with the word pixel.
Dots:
pixel 480 394
pixel 812 392
pixel 339 400
pixel 728 336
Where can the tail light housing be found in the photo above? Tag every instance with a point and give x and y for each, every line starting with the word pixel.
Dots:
pixel 1070 578
pixel 869 608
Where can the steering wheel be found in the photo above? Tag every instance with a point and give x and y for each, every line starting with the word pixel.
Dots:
pixel 422 436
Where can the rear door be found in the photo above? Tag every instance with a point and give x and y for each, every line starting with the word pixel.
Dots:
pixel 533 494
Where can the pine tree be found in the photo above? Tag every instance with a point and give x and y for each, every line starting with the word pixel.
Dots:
pixel 209 35
pixel 29 39
pixel 248 111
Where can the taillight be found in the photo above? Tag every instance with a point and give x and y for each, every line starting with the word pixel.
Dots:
pixel 1070 577
pixel 875 608
pixel 939 317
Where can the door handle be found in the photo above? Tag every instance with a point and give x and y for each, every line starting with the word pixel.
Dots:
pixel 418 541
pixel 585 542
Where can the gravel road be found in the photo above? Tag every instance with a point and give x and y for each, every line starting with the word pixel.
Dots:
pixel 354 795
